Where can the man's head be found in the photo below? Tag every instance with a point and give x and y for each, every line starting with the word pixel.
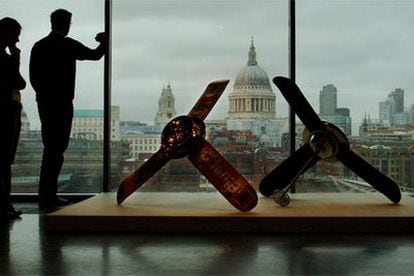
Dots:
pixel 9 31
pixel 61 20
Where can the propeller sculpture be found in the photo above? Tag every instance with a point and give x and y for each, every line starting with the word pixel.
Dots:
pixel 184 136
pixel 323 141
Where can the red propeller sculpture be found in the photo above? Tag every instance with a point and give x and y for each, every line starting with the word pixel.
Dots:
pixel 323 141
pixel 184 136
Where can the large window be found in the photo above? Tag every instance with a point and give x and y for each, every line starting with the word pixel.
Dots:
pixel 353 64
pixel 166 52
pixel 82 170
pixel 352 59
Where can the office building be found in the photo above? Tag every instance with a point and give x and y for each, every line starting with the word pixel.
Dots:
pixel 328 100
pixel 89 123
pixel 329 111
pixel 392 109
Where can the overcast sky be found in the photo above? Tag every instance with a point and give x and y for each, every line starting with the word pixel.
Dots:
pixel 364 48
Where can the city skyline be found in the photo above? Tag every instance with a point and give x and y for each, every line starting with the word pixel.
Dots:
pixel 159 41
pixel 355 129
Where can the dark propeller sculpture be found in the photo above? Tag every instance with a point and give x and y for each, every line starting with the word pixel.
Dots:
pixel 323 141
pixel 184 136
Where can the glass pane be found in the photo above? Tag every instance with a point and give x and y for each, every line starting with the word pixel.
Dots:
pixel 353 59
pixel 82 169
pixel 164 55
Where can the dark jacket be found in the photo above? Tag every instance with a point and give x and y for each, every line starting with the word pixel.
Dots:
pixel 10 77
pixel 53 65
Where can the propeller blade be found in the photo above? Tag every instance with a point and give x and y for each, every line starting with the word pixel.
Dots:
pixel 366 171
pixel 136 179
pixel 209 98
pixel 291 92
pixel 226 179
pixel 278 179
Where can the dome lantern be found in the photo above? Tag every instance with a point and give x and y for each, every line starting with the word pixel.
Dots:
pixel 252 55
pixel 252 97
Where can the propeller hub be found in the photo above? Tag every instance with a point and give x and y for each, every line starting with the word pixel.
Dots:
pixel 325 141
pixel 323 144
pixel 181 136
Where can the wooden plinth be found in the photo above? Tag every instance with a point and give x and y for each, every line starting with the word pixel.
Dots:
pixel 210 212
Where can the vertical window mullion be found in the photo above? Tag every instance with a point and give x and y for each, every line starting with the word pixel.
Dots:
pixel 292 76
pixel 107 101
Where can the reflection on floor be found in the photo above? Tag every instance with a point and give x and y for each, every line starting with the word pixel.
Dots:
pixel 26 249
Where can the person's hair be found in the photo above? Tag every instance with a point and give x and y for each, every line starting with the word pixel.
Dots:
pixel 60 18
pixel 8 23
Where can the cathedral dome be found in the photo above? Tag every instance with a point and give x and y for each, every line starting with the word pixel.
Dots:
pixel 252 103
pixel 265 139
pixel 252 97
pixel 252 74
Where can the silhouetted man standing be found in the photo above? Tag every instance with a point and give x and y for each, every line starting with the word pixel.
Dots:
pixel 52 75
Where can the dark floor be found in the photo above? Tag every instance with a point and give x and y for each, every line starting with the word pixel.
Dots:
pixel 26 249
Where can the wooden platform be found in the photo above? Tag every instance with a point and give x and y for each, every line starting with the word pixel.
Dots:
pixel 210 212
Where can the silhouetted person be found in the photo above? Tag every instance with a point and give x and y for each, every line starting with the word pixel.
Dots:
pixel 10 109
pixel 52 75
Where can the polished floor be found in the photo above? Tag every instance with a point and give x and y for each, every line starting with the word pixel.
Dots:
pixel 26 249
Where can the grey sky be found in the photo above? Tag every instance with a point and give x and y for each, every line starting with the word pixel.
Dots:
pixel 190 44
pixel 364 48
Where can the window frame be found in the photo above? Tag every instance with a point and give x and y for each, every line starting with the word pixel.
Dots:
pixel 108 94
